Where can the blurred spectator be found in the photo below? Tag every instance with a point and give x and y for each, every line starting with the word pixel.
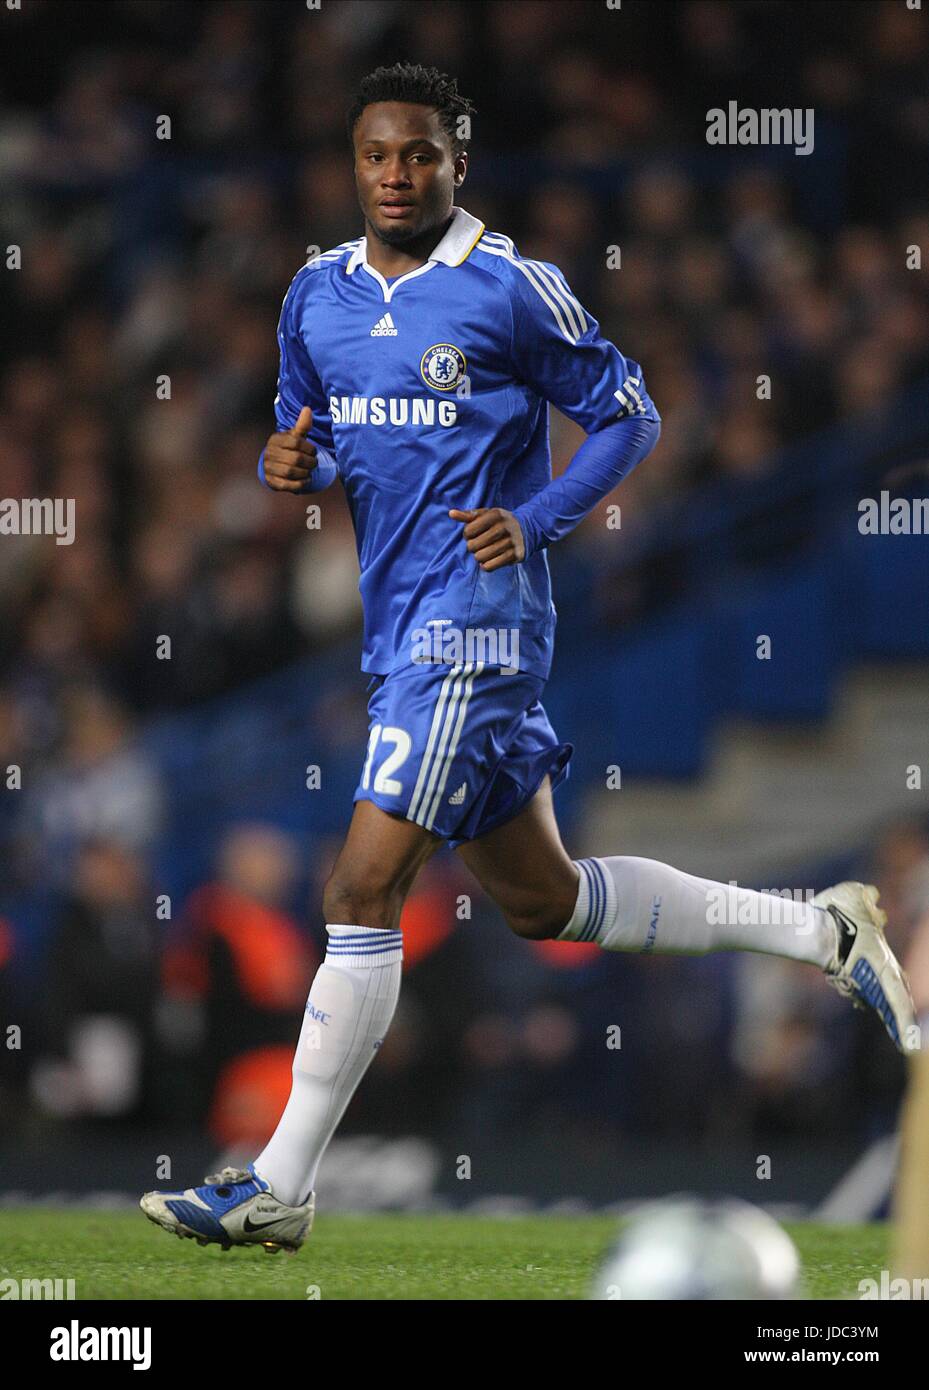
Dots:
pixel 100 989
pixel 236 975
pixel 101 785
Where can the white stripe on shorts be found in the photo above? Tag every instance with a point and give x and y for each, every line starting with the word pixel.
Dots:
pixel 453 747
pixel 430 746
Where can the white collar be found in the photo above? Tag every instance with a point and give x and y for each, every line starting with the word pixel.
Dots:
pixel 456 245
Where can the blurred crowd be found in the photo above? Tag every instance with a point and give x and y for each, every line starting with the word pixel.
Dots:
pixel 138 358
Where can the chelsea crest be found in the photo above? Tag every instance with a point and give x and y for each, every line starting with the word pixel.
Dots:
pixel 442 366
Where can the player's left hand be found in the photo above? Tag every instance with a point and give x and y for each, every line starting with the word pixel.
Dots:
pixel 493 535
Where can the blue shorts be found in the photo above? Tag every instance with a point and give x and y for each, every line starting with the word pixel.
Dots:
pixel 458 749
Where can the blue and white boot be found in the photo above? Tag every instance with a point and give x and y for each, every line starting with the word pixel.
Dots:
pixel 234 1207
pixel 864 968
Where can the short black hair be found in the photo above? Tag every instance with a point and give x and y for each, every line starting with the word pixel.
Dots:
pixel 420 86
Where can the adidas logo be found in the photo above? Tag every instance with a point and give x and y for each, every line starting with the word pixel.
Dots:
pixel 384 328
pixel 457 798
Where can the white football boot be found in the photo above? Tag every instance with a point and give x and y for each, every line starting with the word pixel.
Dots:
pixel 234 1207
pixel 864 968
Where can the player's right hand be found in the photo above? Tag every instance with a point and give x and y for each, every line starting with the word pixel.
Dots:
pixel 290 457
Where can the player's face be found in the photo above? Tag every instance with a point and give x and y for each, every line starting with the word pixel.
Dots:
pixel 405 171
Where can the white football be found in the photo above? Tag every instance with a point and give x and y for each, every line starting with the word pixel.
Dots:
pixel 688 1248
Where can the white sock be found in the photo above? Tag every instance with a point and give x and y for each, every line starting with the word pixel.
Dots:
pixel 351 1004
pixel 628 904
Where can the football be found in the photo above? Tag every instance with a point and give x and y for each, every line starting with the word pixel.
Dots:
pixel 685 1248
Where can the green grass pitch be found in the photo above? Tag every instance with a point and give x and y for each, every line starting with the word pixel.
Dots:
pixel 121 1255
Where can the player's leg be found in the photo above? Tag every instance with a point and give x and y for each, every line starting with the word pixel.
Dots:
pixel 351 1004
pixel 626 903
pixel 524 867
pixel 621 902
pixel 354 995
pixel 911 1210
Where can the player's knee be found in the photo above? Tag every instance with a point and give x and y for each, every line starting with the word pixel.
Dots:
pixel 540 918
pixel 540 911
pixel 363 902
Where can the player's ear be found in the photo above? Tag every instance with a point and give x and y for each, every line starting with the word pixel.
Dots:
pixel 461 168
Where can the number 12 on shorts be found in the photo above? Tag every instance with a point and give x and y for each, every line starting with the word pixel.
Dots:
pixel 384 781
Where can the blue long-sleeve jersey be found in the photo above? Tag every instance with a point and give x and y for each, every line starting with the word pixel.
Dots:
pixel 429 392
